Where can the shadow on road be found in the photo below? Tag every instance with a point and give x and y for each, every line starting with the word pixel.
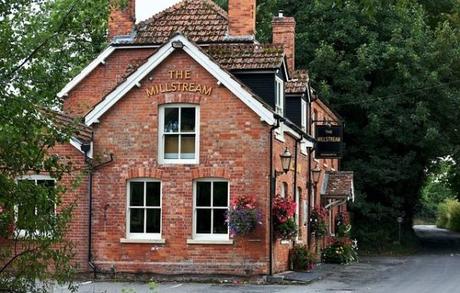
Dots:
pixel 436 240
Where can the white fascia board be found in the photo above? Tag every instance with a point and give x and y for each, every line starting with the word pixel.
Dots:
pixel 295 134
pixel 75 142
pixel 86 71
pixel 225 78
pixel 228 81
pixel 128 84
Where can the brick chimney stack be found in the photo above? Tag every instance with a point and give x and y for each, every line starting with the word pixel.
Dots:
pixel 242 18
pixel 122 18
pixel 284 34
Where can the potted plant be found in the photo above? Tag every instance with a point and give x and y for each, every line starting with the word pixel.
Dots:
pixel 283 217
pixel 302 259
pixel 318 219
pixel 243 215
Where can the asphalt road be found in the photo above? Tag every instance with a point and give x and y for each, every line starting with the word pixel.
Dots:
pixel 435 269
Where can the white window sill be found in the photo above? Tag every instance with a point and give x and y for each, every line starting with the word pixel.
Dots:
pixel 141 241
pixel 284 242
pixel 211 242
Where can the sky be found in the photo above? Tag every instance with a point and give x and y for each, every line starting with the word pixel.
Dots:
pixel 147 8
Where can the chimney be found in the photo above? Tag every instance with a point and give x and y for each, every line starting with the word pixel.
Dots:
pixel 284 34
pixel 242 18
pixel 122 18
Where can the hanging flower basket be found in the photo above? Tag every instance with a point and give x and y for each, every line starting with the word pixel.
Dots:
pixel 283 217
pixel 318 218
pixel 243 216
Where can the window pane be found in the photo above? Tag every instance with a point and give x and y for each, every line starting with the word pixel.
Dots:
pixel 153 194
pixel 220 227
pixel 153 220
pixel 137 194
pixel 187 119
pixel 203 221
pixel 187 146
pixel 171 146
pixel 47 183
pixel 171 120
pixel 136 221
pixel 203 194
pixel 220 194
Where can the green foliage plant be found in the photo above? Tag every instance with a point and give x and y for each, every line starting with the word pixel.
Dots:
pixel 301 258
pixel 449 215
pixel 341 251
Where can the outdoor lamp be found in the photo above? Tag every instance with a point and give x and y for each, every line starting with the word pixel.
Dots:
pixel 286 160
pixel 316 173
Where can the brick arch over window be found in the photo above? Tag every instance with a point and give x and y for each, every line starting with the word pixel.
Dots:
pixel 210 172
pixel 178 98
pixel 144 172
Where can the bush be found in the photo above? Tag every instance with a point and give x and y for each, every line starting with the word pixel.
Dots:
pixel 301 258
pixel 449 215
pixel 340 252
pixel 286 230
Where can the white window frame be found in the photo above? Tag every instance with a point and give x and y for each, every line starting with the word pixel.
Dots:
pixel 143 236
pixel 298 195
pixel 304 115
pixel 283 189
pixel 21 233
pixel 209 236
pixel 161 135
pixel 279 96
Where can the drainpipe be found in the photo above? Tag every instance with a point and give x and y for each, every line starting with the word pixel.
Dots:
pixel 91 168
pixel 310 152
pixel 272 182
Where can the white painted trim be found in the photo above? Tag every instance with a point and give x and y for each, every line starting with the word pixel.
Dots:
pixel 215 70
pixel 142 241
pixel 77 144
pixel 210 242
pixel 86 71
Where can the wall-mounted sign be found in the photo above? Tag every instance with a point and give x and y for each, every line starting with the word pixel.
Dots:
pixel 329 141
pixel 180 83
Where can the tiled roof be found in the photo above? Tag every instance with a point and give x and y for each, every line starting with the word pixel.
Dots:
pixel 339 184
pixel 298 84
pixel 247 56
pixel 202 21
pixel 82 132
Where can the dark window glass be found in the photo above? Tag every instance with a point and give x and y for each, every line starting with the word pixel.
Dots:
pixel 137 194
pixel 137 221
pixel 220 198
pixel 171 146
pixel 153 194
pixel 171 120
pixel 220 227
pixel 153 220
pixel 203 219
pixel 187 119
pixel 203 194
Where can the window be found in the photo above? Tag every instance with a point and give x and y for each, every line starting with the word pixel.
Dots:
pixel 304 115
pixel 178 134
pixel 279 96
pixel 43 204
pixel 144 209
pixel 284 188
pixel 211 199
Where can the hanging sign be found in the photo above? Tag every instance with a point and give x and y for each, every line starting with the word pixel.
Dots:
pixel 329 141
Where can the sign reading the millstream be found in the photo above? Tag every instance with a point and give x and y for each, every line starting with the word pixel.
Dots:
pixel 180 83
pixel 329 140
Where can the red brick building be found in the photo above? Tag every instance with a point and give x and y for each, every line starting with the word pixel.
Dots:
pixel 186 111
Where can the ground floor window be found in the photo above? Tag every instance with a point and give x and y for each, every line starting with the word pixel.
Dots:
pixel 211 198
pixel 144 209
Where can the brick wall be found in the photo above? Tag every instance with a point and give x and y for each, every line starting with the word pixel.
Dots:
pixel 242 18
pixel 284 34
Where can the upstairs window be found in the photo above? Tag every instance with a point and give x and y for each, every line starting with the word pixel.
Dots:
pixel 279 96
pixel 304 115
pixel 179 134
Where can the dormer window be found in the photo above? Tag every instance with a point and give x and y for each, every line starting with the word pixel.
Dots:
pixel 279 96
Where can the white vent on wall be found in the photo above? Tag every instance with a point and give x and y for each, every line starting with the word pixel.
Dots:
pixel 146 8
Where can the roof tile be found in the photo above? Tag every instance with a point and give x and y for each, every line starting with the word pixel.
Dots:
pixel 340 184
pixel 299 83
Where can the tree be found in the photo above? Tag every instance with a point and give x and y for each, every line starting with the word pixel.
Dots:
pixel 43 44
pixel 392 71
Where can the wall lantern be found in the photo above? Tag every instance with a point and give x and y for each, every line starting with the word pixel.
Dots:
pixel 177 45
pixel 286 160
pixel 315 174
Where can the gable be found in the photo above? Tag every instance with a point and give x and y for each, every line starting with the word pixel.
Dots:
pixel 179 42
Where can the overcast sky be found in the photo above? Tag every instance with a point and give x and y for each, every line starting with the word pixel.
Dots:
pixel 147 8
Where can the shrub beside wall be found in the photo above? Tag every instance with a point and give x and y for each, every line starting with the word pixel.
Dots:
pixel 448 216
